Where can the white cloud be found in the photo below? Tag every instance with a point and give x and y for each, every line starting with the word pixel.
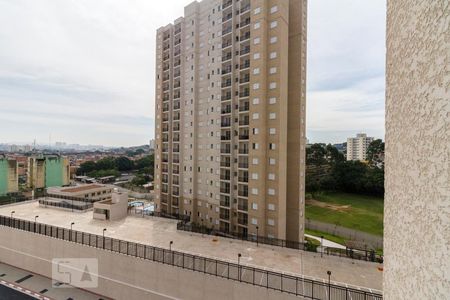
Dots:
pixel 83 70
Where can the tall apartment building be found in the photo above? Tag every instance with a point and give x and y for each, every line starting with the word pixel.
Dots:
pixel 48 171
pixel 9 175
pixel 357 147
pixel 230 116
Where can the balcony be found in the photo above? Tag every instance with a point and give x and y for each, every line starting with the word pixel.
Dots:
pixel 177 31
pixel 243 192
pixel 175 201
pixel 226 4
pixel 244 79
pixel 227 17
pixel 225 216
pixel 245 50
pixel 226 149
pixel 245 93
pixel 226 57
pixel 246 22
pixel 226 83
pixel 243 136
pixel 245 37
pixel 176 171
pixel 243 150
pixel 176 105
pixel 227 31
pixel 226 44
pixel 243 221
pixel 225 201
pixel 243 179
pixel 226 137
pixel 226 70
pixel 226 97
pixel 225 190
pixel 244 107
pixel 244 121
pixel 243 207
pixel 245 9
pixel 165 108
pixel 243 165
pixel 226 109
pixel 177 41
pixel 226 123
pixel 176 127
pixel 245 65
pixel 225 163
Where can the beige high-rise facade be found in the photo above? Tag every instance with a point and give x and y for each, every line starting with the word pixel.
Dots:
pixel 230 116
pixel 357 147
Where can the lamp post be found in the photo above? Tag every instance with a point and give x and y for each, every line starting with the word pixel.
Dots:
pixel 70 234
pixel 13 212
pixel 170 245
pixel 329 284
pixel 239 266
pixel 321 246
pixel 257 235
pixel 202 227
pixel 35 223
pixel 104 229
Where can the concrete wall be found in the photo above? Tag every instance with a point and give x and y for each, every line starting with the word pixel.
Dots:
pixel 122 276
pixel 417 201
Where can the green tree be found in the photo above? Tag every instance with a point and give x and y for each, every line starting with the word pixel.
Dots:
pixel 375 154
pixel 124 164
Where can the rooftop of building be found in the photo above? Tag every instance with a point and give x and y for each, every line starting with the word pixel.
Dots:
pixel 81 188
pixel 159 232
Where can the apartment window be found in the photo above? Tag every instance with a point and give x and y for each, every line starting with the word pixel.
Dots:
pixel 273 40
pixel 272 161
pixel 272 146
pixel 255 146
pixel 256 41
pixel 256 55
pixel 254 191
pixel 255 131
pixel 273 70
pixel 257 10
pixel 255 161
pixel 272 131
pixel 271 192
pixel 273 55
pixel 271 176
pixel 256 86
pixel 270 222
pixel 273 85
pixel 273 24
pixel 257 25
pixel 271 206
pixel 255 71
pixel 272 116
pixel 274 9
pixel 255 116
pixel 254 221
pixel 254 206
pixel 255 101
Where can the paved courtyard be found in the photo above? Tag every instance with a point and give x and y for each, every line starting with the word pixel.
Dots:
pixel 160 231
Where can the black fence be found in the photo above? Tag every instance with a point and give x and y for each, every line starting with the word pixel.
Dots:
pixel 360 254
pixel 307 288
pixel 66 205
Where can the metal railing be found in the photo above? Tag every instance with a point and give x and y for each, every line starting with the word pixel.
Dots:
pixel 65 205
pixel 299 286
pixel 359 254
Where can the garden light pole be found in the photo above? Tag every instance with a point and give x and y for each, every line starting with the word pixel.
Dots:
pixel 13 212
pixel 70 234
pixel 239 266
pixel 329 284
pixel 321 246
pixel 257 235
pixel 104 229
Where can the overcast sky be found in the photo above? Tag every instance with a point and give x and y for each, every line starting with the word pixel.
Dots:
pixel 82 71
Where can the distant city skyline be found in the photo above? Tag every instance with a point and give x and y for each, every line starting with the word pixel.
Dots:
pixel 90 76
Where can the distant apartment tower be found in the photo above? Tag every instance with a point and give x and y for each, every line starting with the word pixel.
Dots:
pixel 230 116
pixel 9 176
pixel 357 147
pixel 48 171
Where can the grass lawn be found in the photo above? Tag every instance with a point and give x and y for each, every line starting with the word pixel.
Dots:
pixel 364 213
